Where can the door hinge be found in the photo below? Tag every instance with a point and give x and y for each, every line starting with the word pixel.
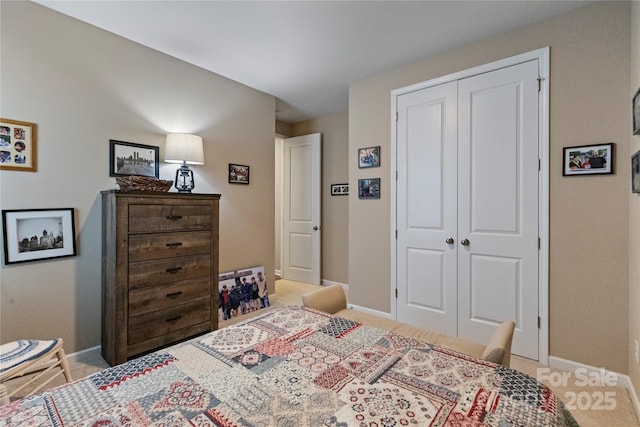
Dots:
pixel 396 292
pixel 539 321
pixel 538 243
pixel 396 116
pixel 540 79
pixel 539 164
pixel 396 175
pixel 396 236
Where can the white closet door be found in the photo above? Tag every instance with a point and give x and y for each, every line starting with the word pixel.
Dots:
pixel 498 205
pixel 427 212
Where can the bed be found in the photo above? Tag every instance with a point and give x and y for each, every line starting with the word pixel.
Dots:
pixel 296 366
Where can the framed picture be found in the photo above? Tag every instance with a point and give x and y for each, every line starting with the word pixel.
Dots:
pixel 36 234
pixel 588 160
pixel 636 113
pixel 18 145
pixel 242 292
pixel 238 174
pixel 369 188
pixel 127 158
pixel 369 157
pixel 339 189
pixel 635 172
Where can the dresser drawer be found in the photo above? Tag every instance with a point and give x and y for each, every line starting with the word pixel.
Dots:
pixel 143 247
pixel 161 297
pixel 154 218
pixel 170 270
pixel 162 322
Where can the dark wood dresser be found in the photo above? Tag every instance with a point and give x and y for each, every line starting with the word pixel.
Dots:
pixel 159 270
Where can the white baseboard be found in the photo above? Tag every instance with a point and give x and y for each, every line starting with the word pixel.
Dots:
pixel 622 380
pixel 370 311
pixel 86 354
pixel 278 273
pixel 325 282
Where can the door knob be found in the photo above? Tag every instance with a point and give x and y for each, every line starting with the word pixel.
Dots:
pixel 465 242
pixel 315 228
pixel 450 240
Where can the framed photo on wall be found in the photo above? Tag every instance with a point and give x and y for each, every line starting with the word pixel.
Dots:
pixel 128 158
pixel 587 160
pixel 339 189
pixel 635 172
pixel 369 157
pixel 636 113
pixel 369 188
pixel 18 145
pixel 35 234
pixel 238 174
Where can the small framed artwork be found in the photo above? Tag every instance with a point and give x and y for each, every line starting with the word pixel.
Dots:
pixel 238 174
pixel 128 158
pixel 636 113
pixel 339 189
pixel 369 157
pixel 35 234
pixel 635 172
pixel 588 160
pixel 369 188
pixel 18 145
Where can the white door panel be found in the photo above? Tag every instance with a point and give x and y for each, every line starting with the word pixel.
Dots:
pixel 427 204
pixel 301 228
pixel 498 205
pixel 467 164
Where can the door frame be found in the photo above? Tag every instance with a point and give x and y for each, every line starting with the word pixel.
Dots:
pixel 542 55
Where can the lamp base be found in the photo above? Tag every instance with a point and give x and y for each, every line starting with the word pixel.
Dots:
pixel 184 179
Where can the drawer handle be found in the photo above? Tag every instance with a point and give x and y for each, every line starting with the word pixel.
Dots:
pixel 174 294
pixel 174 270
pixel 174 217
pixel 174 245
pixel 174 319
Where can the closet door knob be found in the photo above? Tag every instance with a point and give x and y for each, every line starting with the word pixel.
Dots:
pixel 450 241
pixel 465 242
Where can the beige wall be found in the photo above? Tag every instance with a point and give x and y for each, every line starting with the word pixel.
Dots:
pixel 634 212
pixel 84 86
pixel 335 209
pixel 589 222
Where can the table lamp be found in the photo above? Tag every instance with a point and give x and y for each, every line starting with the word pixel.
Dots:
pixel 186 149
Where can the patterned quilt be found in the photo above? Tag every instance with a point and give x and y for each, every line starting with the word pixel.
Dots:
pixel 297 367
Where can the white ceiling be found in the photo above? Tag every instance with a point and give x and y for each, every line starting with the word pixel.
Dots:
pixel 306 53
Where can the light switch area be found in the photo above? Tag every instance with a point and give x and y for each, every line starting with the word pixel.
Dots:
pixel 637 352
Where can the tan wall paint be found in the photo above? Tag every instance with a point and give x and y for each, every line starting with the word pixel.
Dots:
pixel 335 209
pixel 84 86
pixel 284 129
pixel 588 215
pixel 634 213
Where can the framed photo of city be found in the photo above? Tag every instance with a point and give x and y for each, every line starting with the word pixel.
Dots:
pixel 18 146
pixel 37 234
pixel 128 158
pixel 588 160
pixel 369 188
pixel 369 157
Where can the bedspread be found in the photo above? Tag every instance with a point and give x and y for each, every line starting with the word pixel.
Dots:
pixel 297 367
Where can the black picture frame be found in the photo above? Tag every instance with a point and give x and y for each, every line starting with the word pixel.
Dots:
pixel 369 157
pixel 339 189
pixel 369 188
pixel 131 159
pixel 635 108
pixel 581 160
pixel 238 174
pixel 38 234
pixel 635 172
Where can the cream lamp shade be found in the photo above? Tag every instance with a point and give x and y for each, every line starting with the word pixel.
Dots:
pixel 184 148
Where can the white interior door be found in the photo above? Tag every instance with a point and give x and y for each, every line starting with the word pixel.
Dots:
pixel 467 206
pixel 498 205
pixel 427 206
pixel 301 210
